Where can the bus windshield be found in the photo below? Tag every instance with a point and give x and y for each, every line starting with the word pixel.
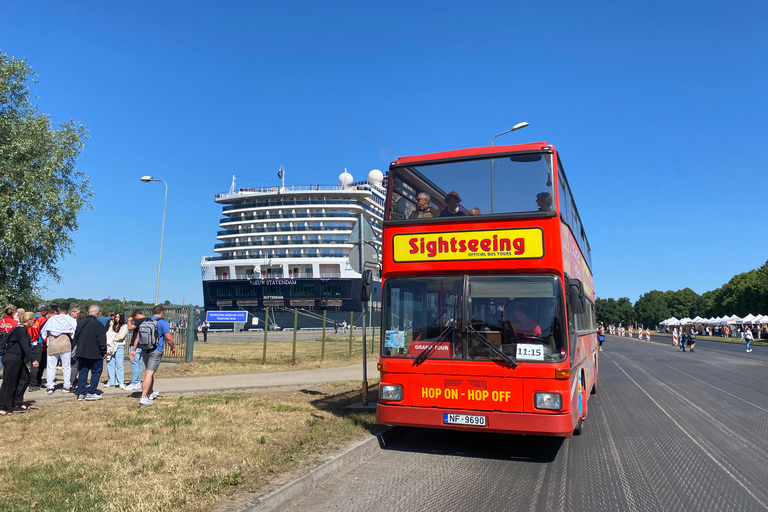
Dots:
pixel 514 183
pixel 458 316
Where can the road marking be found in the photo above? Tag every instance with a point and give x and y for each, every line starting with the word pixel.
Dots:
pixel 706 452
pixel 717 388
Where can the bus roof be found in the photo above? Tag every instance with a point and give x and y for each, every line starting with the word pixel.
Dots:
pixel 460 153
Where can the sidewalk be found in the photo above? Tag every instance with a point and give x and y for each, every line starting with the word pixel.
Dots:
pixel 231 382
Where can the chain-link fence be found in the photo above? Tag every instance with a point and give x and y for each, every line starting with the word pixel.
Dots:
pixel 334 335
pixel 182 323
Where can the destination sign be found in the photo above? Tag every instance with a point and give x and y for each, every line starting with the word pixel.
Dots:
pixel 524 243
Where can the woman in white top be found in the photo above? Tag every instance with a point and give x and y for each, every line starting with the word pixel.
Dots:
pixel 117 333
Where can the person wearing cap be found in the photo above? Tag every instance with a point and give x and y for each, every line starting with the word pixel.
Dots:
pixel 38 346
pixel 544 201
pixel 423 210
pixel 452 210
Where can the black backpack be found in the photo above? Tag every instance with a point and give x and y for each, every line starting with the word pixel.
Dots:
pixel 4 340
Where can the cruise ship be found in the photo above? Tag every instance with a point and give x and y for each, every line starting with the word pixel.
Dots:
pixel 287 248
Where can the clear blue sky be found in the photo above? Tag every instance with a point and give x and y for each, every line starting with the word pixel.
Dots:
pixel 659 110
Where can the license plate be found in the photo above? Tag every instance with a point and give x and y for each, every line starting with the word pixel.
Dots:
pixel 464 419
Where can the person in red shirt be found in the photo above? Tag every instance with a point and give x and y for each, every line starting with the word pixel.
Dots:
pixel 38 348
pixel 7 324
pixel 523 324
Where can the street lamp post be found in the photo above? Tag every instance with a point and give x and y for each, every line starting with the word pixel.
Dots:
pixel 516 127
pixel 147 179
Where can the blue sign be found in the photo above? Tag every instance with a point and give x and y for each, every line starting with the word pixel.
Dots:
pixel 226 316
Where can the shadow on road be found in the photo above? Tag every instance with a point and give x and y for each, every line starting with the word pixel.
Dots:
pixel 477 445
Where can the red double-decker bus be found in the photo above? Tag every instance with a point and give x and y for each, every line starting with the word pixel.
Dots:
pixel 487 306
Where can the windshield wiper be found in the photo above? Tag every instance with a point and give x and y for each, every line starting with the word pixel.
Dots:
pixel 494 348
pixel 428 351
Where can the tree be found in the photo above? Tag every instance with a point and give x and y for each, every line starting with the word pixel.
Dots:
pixel 626 310
pixel 651 308
pixel 607 311
pixel 41 190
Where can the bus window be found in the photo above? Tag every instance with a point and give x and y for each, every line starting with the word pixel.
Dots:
pixel 418 312
pixel 508 184
pixel 515 310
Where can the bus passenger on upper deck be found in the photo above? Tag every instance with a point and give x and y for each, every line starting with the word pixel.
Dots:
pixel 523 324
pixel 423 210
pixel 544 201
pixel 474 211
pixel 453 200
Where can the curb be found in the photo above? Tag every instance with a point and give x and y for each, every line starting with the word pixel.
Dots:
pixel 279 496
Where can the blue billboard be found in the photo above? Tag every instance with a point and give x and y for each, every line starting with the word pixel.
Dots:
pixel 226 316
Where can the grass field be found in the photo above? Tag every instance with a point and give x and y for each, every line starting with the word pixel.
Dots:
pixel 184 453
pixel 246 357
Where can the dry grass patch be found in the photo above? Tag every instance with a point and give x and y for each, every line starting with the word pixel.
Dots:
pixel 182 453
pixel 245 357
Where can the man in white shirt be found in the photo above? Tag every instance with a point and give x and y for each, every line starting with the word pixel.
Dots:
pixel 59 329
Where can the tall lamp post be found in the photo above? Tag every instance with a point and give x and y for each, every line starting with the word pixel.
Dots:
pixel 147 179
pixel 516 127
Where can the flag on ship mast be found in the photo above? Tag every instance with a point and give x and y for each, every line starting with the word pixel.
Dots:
pixel 281 175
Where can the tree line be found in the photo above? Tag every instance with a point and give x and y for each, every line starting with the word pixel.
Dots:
pixel 745 293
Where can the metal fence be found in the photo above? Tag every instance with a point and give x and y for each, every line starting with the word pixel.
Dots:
pixel 285 346
pixel 182 322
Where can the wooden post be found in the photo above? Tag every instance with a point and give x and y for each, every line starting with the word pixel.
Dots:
pixel 266 328
pixel 351 319
pixel 295 328
pixel 322 349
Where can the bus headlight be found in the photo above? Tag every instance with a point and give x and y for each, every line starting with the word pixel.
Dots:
pixel 391 393
pixel 551 401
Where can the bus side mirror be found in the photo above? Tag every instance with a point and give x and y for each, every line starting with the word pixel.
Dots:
pixel 575 296
pixel 367 285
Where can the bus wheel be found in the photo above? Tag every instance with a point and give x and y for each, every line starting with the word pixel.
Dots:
pixel 579 428
pixel 594 389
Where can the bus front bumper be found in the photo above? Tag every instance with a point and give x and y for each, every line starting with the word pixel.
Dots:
pixel 558 425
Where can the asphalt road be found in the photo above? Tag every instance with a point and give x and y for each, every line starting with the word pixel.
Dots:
pixel 667 431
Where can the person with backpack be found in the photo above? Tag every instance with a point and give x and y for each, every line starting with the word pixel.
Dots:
pixel 152 336
pixel 16 350
pixel 91 341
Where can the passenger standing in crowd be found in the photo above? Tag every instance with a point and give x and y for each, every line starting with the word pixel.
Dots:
pixel 134 321
pixel 16 374
pixel 91 339
pixel 59 330
pixel 7 323
pixel 152 358
pixel 115 364
pixel 748 338
pixel 38 348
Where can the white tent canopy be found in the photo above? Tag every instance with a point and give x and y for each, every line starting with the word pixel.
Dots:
pixel 750 318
